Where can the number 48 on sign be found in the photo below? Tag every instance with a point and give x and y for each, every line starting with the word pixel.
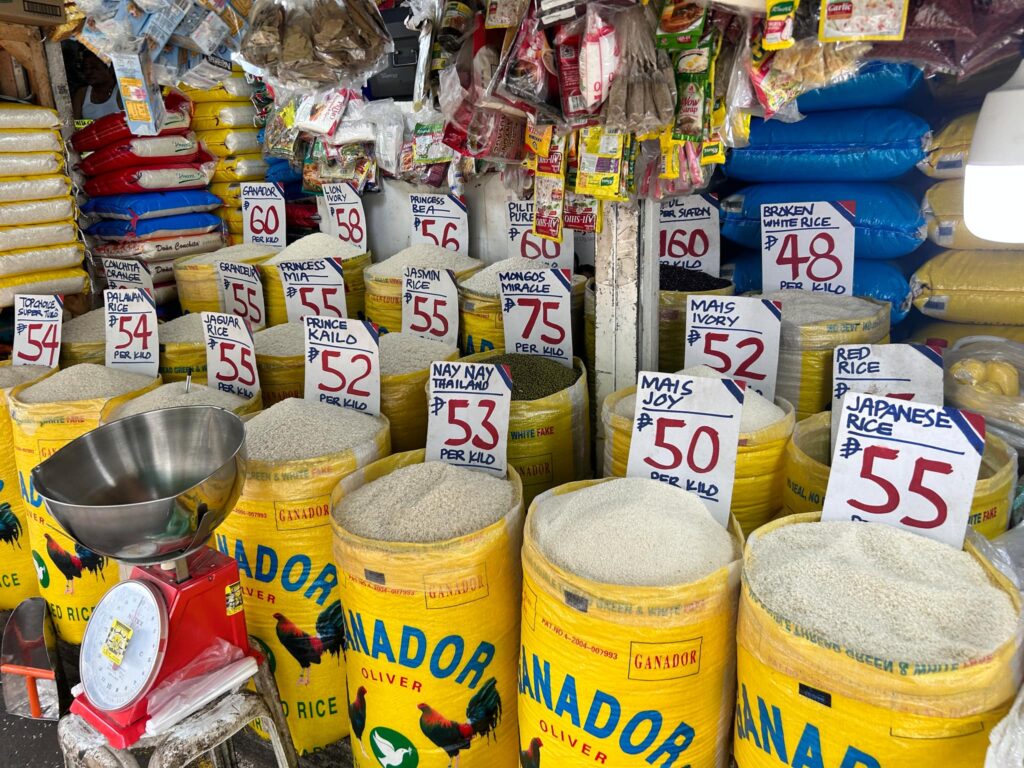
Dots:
pixel 808 246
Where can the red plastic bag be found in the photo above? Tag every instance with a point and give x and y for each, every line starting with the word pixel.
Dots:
pixel 139 151
pixel 113 128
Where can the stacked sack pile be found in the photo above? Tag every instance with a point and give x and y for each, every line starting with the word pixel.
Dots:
pixel 40 247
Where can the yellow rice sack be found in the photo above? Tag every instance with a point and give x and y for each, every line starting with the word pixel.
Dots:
pixel 179 359
pixel 197 282
pixel 240 168
pixel 233 89
pixel 971 287
pixel 40 430
pixel 626 676
pixel 280 534
pixel 63 281
pixel 28 260
pixel 228 191
pixel 948 149
pixel 281 377
pixel 383 304
pixel 226 142
pixel 944 335
pixel 943 209
pixel 231 216
pixel 211 116
pixel 810 701
pixel 355 291
pixel 807 469
pixel 403 399
pixel 672 325
pixel 431 624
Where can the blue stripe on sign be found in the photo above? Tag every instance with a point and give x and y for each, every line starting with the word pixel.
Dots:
pixel 374 333
pixel 458 202
pixel 976 440
pixel 335 264
pixel 930 353
pixel 505 373
pixel 850 217
pixel 733 387
pixel 773 307
pixel 561 274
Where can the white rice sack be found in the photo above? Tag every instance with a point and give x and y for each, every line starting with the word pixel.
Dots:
pixel 27 116
pixel 211 116
pixel 37 211
pixel 163 248
pixel 41 259
pixel 31 164
pixel 37 235
pixel 35 188
pixel 30 141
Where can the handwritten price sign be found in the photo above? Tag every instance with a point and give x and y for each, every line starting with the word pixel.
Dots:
pixel 910 465
pixel 439 220
pixel 346 219
pixel 37 323
pixel 535 308
pixel 263 214
pixel 241 292
pixel 127 273
pixel 467 419
pixel 522 242
pixel 343 363
pixel 689 234
pixel 808 246
pixel 686 433
pixel 314 287
pixel 131 338
pixel 230 355
pixel 430 304
pixel 737 336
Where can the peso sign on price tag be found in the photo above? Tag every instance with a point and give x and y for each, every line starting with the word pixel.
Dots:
pixel 439 220
pixel 37 324
pixel 263 214
pixel 132 340
pixel 906 464
pixel 430 304
pixel 467 418
pixel 127 273
pixel 314 287
pixel 535 309
pixel 686 433
pixel 241 292
pixel 523 243
pixel 230 355
pixel 346 219
pixel 689 234
pixel 737 336
pixel 808 246
pixel 343 363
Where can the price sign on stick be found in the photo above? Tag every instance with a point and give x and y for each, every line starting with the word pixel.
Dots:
pixel 314 287
pixel 808 246
pixel 737 336
pixel 430 304
pixel 263 214
pixel 535 310
pixel 131 340
pixel 911 465
pixel 346 219
pixel 343 363
pixel 467 417
pixel 522 242
pixel 230 355
pixel 241 292
pixel 686 433
pixel 439 220
pixel 688 233
pixel 127 273
pixel 37 323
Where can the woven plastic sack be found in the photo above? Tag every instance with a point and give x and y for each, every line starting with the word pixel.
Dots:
pixel 179 359
pixel 22 140
pixel 34 188
pixel 640 675
pixel 548 438
pixel 14 116
pixel 230 141
pixel 807 469
pixel 1006 741
pixel 213 116
pixel 141 151
pixel 943 209
pixel 876 84
pixel 40 259
pixel 281 377
pixel 403 399
pixel 672 325
pixel 158 228
pixel 230 192
pixel 233 219
pixel 229 89
pixel 63 281
pixel 383 302
pixel 250 407
pixel 17 569
pixel 760 460
pixel 38 235
pixel 431 624
pixel 240 168
pixel 37 211
pixel 197 284
pixel 195 175
pixel 801 697
pixel 31 164
pixel 972 287
pixel 948 149
pixel 280 534
pixel 162 249
pixel 113 128
pixel 355 290
pixel 943 335
pixel 71 588
pixel 151 205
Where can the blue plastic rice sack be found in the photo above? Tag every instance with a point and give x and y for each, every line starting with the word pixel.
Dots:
pixel 889 223
pixel 877 84
pixel 844 145
pixel 148 229
pixel 280 170
pixel 874 279
pixel 150 205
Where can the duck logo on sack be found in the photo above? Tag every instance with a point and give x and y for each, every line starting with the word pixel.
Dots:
pixel 392 749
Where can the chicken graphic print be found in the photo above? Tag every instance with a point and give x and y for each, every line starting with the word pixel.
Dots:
pixel 309 649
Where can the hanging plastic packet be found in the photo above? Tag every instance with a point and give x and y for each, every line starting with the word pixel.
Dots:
pixel 321 112
pixel 602 163
pixel 428 144
pixel 281 137
pixel 843 21
pixel 778 24
pixel 681 24
pixel 527 76
pixel 538 138
pixel 502 14
pixel 580 212
pixel 549 193
pixel 599 55
pixel 568 39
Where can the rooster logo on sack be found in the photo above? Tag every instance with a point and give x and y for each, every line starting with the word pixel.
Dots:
pixel 309 649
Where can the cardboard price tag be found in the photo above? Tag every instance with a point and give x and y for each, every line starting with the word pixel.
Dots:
pixel 467 419
pixel 132 340
pixel 230 355
pixel 439 220
pixel 535 310
pixel 346 219
pixel 37 324
pixel 241 292
pixel 911 465
pixel 737 336
pixel 686 433
pixel 314 287
pixel 343 363
pixel 263 214
pixel 689 235
pixel 522 242
pixel 430 304
pixel 808 246
pixel 127 273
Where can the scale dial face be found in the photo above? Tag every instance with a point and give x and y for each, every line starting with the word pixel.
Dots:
pixel 124 645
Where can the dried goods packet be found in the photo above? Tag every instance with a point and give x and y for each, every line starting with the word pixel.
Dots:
pixel 581 213
pixel 842 21
pixel 778 24
pixel 681 24
pixel 602 164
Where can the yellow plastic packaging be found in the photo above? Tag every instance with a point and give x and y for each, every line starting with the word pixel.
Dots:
pixel 944 335
pixel 821 704
pixel 384 299
pixel 943 209
pixel 225 142
pixel 431 625
pixel 218 93
pixel 240 168
pixel 672 325
pixel 63 281
pixel 70 577
pixel 355 291
pixel 197 282
pixel 280 534
pixel 549 438
pixel 281 377
pixel 626 676
pixel 972 287
pixel 807 469
pixel 232 217
pixel 178 359
pixel 210 116
pixel 948 149
pixel 760 460
pixel 228 191
pixel 403 399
